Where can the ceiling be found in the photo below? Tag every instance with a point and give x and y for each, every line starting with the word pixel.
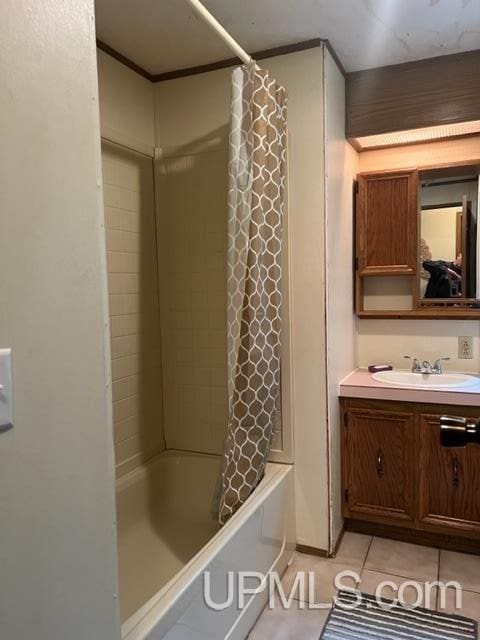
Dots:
pixel 166 35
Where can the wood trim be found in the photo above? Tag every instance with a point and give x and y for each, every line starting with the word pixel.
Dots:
pixel 449 301
pixel 193 71
pixel 336 59
pixel 388 270
pixel 446 183
pixel 458 232
pixel 446 169
pixel 220 64
pixel 119 57
pixel 434 301
pixel 232 62
pixel 409 406
pixel 457 305
pixel 311 551
pixel 413 95
pixel 387 173
pixel 444 205
pixel 430 171
pixel 423 314
pixel 437 540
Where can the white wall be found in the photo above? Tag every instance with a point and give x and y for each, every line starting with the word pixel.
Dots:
pixel 192 119
pixel 126 105
pixel 389 340
pixel 341 165
pixel 428 154
pixel 302 75
pixel 438 227
pixel 58 555
pixel 441 194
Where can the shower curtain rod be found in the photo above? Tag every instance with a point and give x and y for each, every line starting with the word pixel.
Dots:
pixel 223 33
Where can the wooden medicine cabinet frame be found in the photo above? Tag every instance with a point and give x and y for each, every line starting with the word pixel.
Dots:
pixel 390 247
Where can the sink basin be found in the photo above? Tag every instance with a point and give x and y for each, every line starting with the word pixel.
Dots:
pixel 440 381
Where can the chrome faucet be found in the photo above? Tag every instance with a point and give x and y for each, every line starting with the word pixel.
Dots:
pixel 426 367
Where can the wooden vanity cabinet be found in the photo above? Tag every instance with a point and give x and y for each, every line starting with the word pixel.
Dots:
pixel 387 223
pixel 397 476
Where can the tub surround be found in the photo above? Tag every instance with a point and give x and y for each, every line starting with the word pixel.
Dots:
pixel 168 538
pixel 361 384
pixel 133 306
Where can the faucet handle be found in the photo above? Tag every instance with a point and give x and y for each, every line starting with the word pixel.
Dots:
pixel 437 365
pixel 415 364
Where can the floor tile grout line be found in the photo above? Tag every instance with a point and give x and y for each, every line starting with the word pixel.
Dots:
pixel 475 593
pixel 368 551
pixel 396 575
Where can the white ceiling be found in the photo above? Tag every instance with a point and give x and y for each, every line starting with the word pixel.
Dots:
pixel 164 35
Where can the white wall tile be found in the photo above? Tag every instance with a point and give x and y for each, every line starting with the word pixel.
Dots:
pixel 134 318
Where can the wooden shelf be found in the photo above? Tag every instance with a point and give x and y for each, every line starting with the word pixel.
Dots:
pixel 423 314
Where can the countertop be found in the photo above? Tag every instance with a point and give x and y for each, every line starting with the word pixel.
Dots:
pixel 360 384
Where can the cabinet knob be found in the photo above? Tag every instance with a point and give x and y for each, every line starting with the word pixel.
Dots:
pixel 455 471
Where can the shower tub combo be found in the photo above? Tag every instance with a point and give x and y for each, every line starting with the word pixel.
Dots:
pixel 168 538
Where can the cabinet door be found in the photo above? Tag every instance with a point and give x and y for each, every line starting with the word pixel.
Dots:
pixel 387 223
pixel 449 491
pixel 378 465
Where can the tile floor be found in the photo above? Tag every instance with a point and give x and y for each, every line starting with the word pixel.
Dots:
pixel 375 560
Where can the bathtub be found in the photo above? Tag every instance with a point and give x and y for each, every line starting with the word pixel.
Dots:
pixel 168 538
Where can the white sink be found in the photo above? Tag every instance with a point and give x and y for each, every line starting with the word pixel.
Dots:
pixel 410 380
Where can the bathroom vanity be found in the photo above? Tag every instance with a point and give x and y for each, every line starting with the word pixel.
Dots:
pixel 397 479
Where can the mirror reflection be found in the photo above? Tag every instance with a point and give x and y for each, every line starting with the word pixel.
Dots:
pixel 449 257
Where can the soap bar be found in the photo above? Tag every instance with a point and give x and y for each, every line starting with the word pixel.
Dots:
pixel 375 368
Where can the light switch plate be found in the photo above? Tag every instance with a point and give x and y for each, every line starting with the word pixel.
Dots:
pixel 6 390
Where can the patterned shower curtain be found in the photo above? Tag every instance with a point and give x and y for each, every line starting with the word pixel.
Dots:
pixel 256 206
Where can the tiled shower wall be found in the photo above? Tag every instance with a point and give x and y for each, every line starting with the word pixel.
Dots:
pixel 134 307
pixel 192 196
pixel 170 392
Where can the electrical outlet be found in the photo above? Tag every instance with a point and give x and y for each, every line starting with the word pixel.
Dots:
pixel 465 347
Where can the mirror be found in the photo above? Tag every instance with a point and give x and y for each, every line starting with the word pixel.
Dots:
pixel 449 273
